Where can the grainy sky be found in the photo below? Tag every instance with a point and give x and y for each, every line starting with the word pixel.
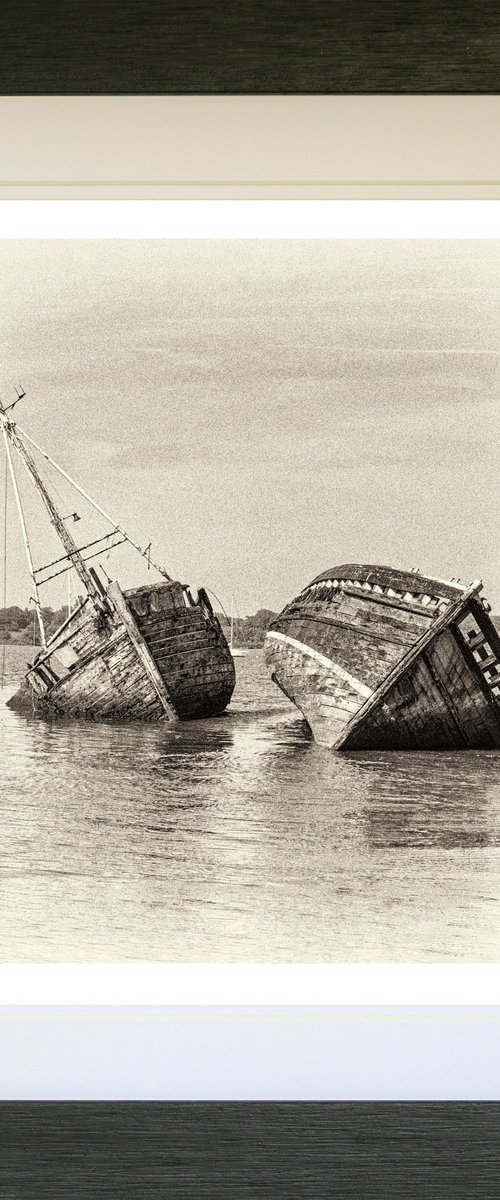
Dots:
pixel 262 410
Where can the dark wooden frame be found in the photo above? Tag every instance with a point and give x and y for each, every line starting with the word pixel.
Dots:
pixel 78 47
pixel 261 1151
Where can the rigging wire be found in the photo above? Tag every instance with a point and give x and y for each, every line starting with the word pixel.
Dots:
pixel 145 553
pixel 4 589
pixel 211 593
pixel 53 485
pixel 22 521
pixel 18 436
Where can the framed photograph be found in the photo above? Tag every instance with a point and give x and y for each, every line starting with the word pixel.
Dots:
pixel 221 747
pixel 249 341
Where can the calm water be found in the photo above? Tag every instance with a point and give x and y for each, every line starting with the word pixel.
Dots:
pixel 239 839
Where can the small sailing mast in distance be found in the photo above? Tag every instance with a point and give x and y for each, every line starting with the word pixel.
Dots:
pixel 74 555
pixel 240 651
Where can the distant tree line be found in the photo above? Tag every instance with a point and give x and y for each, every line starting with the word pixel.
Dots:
pixel 19 625
pixel 249 632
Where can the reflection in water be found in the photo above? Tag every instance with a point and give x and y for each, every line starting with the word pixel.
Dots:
pixel 439 801
pixel 239 839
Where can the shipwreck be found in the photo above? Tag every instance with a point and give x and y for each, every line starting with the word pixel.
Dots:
pixel 149 653
pixel 381 659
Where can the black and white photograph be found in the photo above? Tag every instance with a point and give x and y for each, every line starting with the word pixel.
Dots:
pixel 250 656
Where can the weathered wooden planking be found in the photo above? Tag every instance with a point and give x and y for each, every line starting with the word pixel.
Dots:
pixel 101 686
pixel 409 581
pixel 431 664
pixel 375 614
pixel 437 703
pixel 358 633
pixel 141 649
pixel 167 643
pixel 192 656
pixel 154 656
pixel 385 688
pixel 485 624
pixel 327 702
pixel 465 686
pixel 416 705
pixel 254 46
pixel 413 715
pixel 266 1151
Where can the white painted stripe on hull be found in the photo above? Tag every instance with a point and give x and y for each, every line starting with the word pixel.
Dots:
pixel 355 684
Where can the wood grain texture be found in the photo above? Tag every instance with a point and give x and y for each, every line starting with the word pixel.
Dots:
pixel 151 657
pixel 372 663
pixel 262 1151
pixel 251 46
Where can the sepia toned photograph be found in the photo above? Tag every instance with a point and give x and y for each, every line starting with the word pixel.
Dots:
pixel 250 656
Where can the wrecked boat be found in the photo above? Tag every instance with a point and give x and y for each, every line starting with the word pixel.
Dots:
pixel 377 658
pixel 149 653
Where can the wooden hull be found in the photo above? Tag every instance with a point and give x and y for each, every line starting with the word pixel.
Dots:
pixel 380 659
pixel 155 655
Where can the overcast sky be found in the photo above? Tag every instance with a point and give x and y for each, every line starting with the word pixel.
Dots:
pixel 263 410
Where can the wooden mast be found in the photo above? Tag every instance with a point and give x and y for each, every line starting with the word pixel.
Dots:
pixel 119 529
pixel 36 594
pixel 73 553
pixel 75 558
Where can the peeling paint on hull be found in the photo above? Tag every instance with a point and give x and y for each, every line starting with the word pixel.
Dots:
pixel 375 658
pixel 168 659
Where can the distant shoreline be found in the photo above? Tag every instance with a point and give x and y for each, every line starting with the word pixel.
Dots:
pixel 17 626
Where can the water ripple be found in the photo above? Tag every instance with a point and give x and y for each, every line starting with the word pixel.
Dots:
pixel 239 839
